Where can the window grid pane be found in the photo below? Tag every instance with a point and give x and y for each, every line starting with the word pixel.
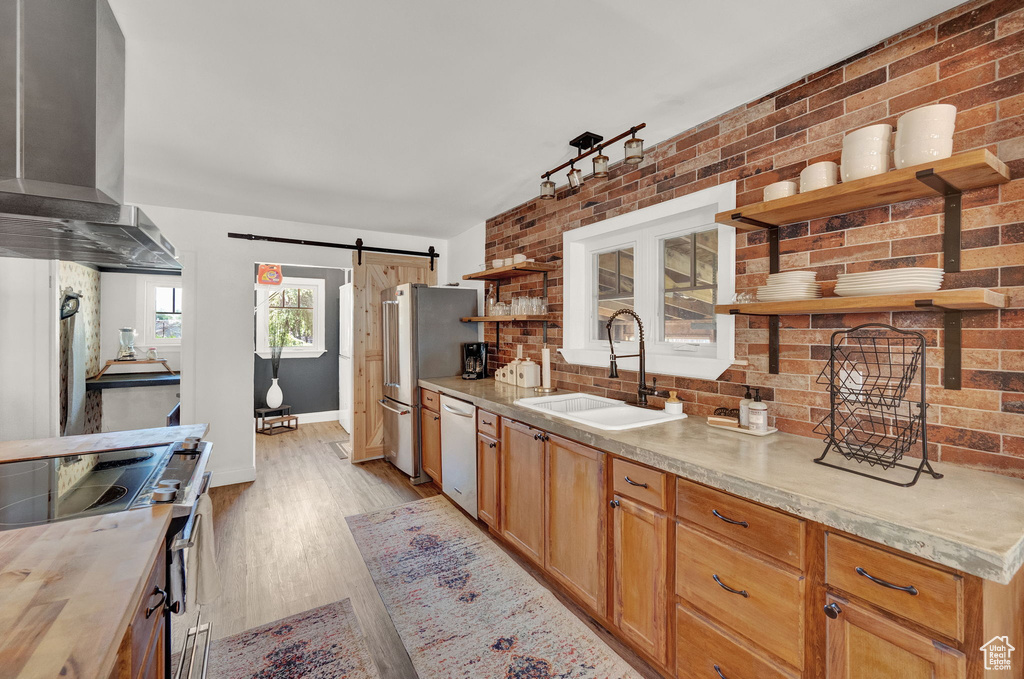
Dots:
pixel 613 275
pixel 167 312
pixel 690 287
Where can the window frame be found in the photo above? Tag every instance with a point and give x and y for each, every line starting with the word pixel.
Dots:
pixel 647 229
pixel 263 293
pixel 149 311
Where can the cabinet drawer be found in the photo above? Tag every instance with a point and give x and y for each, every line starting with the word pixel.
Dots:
pixel 704 651
pixel 765 604
pixel 769 531
pixel 146 623
pixel 430 400
pixel 932 597
pixel 640 483
pixel 487 423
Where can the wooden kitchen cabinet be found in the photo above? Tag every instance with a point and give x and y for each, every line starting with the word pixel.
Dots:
pixel 430 436
pixel 522 488
pixel 862 644
pixel 640 571
pixel 488 473
pixel 576 534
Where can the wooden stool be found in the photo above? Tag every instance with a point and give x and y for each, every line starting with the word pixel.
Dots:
pixel 285 421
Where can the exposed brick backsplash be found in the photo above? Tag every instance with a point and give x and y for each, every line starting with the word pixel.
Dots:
pixel 971 56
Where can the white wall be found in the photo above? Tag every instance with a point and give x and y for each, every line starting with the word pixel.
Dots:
pixel 124 306
pixel 29 365
pixel 217 314
pixel 466 255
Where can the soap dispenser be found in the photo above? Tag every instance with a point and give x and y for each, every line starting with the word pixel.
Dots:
pixel 745 407
pixel 673 405
pixel 758 415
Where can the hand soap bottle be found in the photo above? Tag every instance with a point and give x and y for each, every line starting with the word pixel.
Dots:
pixel 673 405
pixel 758 415
pixel 745 407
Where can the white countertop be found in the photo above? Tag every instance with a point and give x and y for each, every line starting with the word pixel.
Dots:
pixel 969 520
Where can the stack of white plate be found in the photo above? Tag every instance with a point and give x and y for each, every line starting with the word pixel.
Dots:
pixel 789 286
pixel 890 282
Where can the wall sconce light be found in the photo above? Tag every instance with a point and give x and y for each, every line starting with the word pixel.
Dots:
pixel 575 177
pixel 600 164
pixel 589 143
pixel 634 149
pixel 547 188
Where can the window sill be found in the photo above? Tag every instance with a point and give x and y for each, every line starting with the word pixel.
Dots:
pixel 681 364
pixel 295 353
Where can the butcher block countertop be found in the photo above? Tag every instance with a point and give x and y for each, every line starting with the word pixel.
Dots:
pixel 969 520
pixel 34 449
pixel 68 591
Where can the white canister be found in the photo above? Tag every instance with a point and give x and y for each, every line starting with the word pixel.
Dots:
pixel 818 176
pixel 779 190
pixel 518 258
pixel 924 135
pixel 509 261
pixel 866 152
pixel 528 374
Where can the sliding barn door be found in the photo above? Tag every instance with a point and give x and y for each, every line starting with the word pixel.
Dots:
pixel 377 273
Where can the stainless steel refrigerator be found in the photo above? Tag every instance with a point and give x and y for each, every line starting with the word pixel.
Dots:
pixel 422 337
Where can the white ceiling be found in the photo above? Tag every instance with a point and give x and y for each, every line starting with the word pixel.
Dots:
pixel 429 117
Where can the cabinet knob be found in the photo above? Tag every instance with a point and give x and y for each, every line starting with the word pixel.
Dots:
pixel 491 444
pixel 614 503
pixel 833 610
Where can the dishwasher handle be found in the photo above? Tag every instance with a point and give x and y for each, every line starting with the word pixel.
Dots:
pixel 455 412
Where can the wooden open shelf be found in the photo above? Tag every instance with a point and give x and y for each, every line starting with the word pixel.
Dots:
pixel 511 271
pixel 504 319
pixel 964 299
pixel 970 170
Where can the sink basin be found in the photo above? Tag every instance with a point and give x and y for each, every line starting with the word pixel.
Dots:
pixel 597 411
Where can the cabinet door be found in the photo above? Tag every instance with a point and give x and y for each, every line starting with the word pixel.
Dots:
pixel 154 662
pixel 522 489
pixel 488 455
pixel 865 645
pixel 640 575
pixel 430 430
pixel 575 529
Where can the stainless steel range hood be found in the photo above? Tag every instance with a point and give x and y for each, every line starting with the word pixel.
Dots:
pixel 62 139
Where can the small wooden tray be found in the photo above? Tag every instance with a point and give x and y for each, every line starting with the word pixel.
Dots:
pixel 748 432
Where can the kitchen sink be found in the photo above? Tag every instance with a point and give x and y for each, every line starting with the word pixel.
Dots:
pixel 597 411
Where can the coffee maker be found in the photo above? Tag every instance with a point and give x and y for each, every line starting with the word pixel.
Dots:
pixel 474 360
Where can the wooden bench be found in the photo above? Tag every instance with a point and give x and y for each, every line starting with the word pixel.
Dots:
pixel 276 425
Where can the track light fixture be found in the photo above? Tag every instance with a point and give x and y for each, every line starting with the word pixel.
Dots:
pixel 589 143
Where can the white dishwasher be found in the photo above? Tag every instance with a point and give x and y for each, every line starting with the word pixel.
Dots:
pixel 458 452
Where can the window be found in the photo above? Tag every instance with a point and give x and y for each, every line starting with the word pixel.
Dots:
pixel 161 308
pixel 291 315
pixel 669 263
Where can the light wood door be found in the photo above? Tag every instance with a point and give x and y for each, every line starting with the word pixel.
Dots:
pixel 430 439
pixel 863 644
pixel 640 575
pixel 522 489
pixel 575 528
pixel 377 273
pixel 488 457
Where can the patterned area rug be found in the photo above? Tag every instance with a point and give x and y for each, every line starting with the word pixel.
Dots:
pixel 324 643
pixel 465 609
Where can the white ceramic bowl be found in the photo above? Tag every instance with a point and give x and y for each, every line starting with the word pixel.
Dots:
pixel 818 176
pixel 497 263
pixel 924 135
pixel 518 258
pixel 866 152
pixel 779 190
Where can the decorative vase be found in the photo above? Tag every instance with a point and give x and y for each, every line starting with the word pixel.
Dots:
pixel 274 396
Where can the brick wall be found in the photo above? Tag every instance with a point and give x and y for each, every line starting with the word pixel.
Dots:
pixel 971 56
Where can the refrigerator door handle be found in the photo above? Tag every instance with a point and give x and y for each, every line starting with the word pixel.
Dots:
pixel 384 404
pixel 390 308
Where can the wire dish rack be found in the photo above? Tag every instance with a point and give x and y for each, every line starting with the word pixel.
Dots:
pixel 875 377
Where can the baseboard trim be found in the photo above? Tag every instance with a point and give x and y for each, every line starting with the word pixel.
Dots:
pixel 233 476
pixel 322 416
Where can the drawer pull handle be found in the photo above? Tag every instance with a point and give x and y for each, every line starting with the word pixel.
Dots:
pixel 727 588
pixel 728 520
pixel 719 671
pixel 909 589
pixel 163 599
pixel 634 483
pixel 486 423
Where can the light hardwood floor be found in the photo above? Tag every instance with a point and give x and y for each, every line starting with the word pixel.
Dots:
pixel 283 545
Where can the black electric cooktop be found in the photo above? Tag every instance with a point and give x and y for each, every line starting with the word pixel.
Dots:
pixel 52 489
